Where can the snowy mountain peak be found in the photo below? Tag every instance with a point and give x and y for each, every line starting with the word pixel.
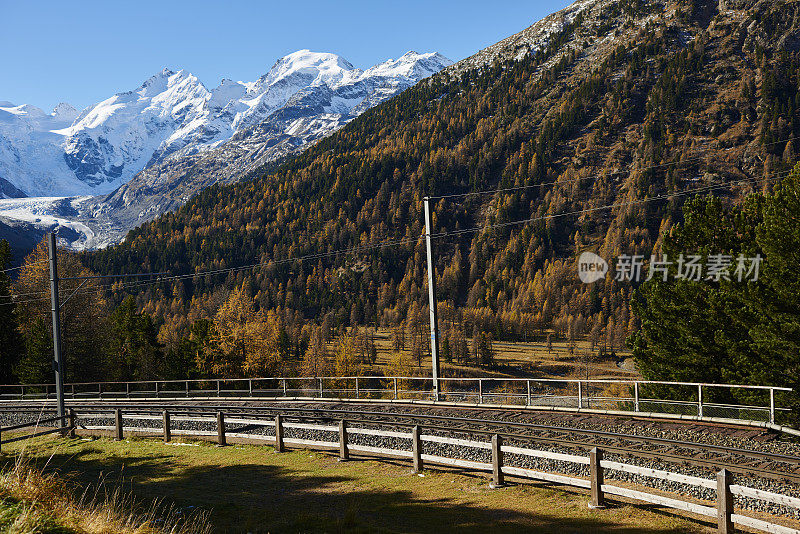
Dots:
pixel 27 111
pixel 172 114
pixel 64 112
pixel 318 67
pixel 411 64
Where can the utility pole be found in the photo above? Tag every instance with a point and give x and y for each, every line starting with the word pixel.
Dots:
pixel 432 299
pixel 58 360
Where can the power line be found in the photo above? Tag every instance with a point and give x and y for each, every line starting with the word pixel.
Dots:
pixel 395 242
pixel 320 255
pixel 85 278
pixel 21 266
pixel 594 176
pixel 665 196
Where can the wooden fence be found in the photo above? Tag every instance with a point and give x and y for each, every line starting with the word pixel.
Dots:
pixel 722 512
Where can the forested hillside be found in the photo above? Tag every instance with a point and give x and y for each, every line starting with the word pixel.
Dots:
pixel 597 139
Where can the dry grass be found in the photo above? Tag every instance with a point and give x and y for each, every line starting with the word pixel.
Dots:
pixel 32 500
pixel 250 488
pixel 530 359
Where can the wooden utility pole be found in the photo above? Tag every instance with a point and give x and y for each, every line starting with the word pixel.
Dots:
pixel 432 299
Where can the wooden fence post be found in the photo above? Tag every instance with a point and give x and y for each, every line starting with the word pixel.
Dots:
pixel 278 433
pixel 118 424
pixel 221 441
pixel 724 502
pixel 416 449
pixel 596 478
pixel 344 452
pixel 498 480
pixel 71 422
pixel 167 429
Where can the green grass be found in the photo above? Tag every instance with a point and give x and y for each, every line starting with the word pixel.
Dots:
pixel 21 516
pixel 250 488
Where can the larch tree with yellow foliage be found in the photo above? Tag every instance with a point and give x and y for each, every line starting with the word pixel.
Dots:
pixel 244 341
pixel 84 320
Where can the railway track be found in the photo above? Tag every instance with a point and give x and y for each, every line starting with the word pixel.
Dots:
pixel 518 425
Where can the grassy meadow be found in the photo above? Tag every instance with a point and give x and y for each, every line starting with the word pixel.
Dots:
pixel 250 488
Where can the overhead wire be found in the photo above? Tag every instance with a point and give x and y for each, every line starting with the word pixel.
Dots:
pixel 394 242
pixel 319 255
pixel 665 196
pixel 21 266
pixel 557 182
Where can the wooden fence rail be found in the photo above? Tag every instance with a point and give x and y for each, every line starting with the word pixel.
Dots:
pixel 722 510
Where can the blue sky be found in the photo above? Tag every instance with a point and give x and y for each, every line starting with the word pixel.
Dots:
pixel 82 52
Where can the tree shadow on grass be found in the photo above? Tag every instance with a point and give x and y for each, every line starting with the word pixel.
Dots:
pixel 254 497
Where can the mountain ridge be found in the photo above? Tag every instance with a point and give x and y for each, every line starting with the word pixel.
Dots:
pixel 107 143
pixel 595 139
pixel 129 146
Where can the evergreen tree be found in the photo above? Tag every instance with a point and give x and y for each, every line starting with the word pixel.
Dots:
pixel 447 354
pixel 728 331
pixel 10 342
pixel 84 320
pixel 776 336
pixel 135 353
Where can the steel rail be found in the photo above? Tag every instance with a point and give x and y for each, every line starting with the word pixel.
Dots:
pixel 479 426
pixel 213 408
pixel 701 447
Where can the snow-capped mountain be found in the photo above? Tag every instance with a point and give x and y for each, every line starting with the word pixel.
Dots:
pixel 32 153
pixel 172 113
pixel 137 154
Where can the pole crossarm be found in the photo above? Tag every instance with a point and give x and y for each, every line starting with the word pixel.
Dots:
pixel 73 293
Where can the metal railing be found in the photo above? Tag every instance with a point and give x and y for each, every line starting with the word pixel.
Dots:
pixel 763 404
pixel 722 511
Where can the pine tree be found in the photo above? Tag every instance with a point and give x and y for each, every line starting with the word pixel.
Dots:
pixel 134 349
pixel 10 342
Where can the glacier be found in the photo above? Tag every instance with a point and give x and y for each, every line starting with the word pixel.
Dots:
pixel 66 153
pixel 139 153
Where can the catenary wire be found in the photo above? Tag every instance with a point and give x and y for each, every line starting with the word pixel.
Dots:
pixel 363 248
pixel 594 176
